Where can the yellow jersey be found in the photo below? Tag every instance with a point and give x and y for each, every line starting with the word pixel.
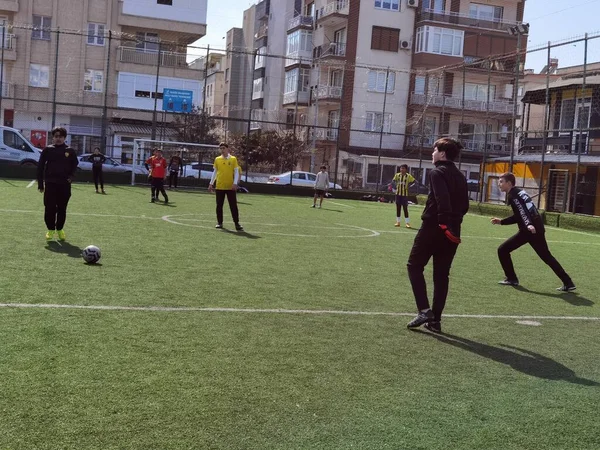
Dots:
pixel 402 182
pixel 225 168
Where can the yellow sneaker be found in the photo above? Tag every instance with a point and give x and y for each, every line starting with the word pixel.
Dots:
pixel 49 235
pixel 407 226
pixel 61 235
pixel 397 224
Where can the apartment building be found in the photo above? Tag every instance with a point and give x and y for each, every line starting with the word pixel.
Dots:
pixel 70 78
pixel 463 83
pixel 347 70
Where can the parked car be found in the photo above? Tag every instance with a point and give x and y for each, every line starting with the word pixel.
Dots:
pixel 198 170
pixel 15 149
pixel 110 165
pixel 299 178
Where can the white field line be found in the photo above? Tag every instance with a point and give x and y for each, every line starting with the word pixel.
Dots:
pixel 282 311
pixel 339 204
pixel 31 184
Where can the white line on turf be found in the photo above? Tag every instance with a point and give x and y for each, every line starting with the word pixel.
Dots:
pixel 31 184
pixel 340 204
pixel 283 311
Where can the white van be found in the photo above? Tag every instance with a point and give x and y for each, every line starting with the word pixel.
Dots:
pixel 15 149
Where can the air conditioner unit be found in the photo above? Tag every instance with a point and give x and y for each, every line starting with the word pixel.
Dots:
pixel 405 45
pixel 412 3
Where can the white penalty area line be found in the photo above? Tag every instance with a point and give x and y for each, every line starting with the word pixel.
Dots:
pixel 31 184
pixel 281 311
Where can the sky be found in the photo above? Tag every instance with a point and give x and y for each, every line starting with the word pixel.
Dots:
pixel 549 20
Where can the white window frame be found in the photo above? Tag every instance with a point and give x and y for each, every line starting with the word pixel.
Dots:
pixel 478 11
pixel 389 5
pixel 478 91
pixel 420 83
pixel 376 81
pixel 96 34
pixel 299 41
pixel 373 122
pixel 432 39
pixel 39 72
pixel 149 40
pixel 91 79
pixel 261 57
pixel 291 83
pixel 41 31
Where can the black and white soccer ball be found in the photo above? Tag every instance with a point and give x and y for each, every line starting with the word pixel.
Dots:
pixel 91 254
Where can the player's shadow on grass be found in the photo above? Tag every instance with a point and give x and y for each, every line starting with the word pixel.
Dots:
pixel 12 184
pixel 570 297
pixel 64 247
pixel 240 233
pixel 521 360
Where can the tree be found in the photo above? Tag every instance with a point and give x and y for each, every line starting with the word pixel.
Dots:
pixel 196 127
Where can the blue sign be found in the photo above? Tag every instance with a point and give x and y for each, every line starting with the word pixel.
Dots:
pixel 177 100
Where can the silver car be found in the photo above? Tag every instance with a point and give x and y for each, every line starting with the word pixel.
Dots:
pixel 299 178
pixel 110 165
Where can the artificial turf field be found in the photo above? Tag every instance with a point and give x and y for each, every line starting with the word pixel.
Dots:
pixel 290 335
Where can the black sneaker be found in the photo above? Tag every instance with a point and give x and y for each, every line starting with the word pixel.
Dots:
pixel 566 288
pixel 238 227
pixel 422 317
pixel 434 326
pixel 152 200
pixel 508 282
pixel 219 225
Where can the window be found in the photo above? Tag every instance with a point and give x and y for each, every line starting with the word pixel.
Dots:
pixel 12 140
pixel 299 41
pixel 310 9
pixel 434 5
pixel 95 34
pixel 226 74
pixel 441 41
pixel 260 59
pixel 93 80
pixel 292 83
pixel 386 39
pixel 374 122
pixel 41 27
pixel 393 5
pixel 486 12
pixel 420 84
pixel 147 42
pixel 479 92
pixel 39 75
pixel 225 99
pixel 376 81
pixel 164 2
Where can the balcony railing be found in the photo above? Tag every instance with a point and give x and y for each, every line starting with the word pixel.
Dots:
pixel 324 134
pixel 496 106
pixel 6 88
pixel 417 141
pixel 291 97
pixel 303 57
pixel 327 92
pixel 331 49
pixel 465 19
pixel 335 7
pixel 262 31
pixel 300 21
pixel 470 145
pixel 9 40
pixel 150 57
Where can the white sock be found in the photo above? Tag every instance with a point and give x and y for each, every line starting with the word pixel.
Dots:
pixel 407 220
pixel 425 310
pixel 398 219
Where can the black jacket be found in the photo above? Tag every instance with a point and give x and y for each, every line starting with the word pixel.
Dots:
pixel 448 199
pixel 524 211
pixel 57 164
pixel 97 160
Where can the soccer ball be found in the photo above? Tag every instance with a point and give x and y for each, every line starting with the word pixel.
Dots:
pixel 91 254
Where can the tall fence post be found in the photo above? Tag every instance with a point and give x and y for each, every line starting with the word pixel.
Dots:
pixel 205 72
pixel 462 109
pixel 55 78
pixel 515 108
pixel 387 76
pixel 579 124
pixel 105 104
pixel 485 136
pixel 2 66
pixel 339 127
pixel 546 127
pixel 248 129
pixel 158 60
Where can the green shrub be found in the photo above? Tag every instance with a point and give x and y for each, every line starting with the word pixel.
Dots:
pixel 580 222
pixel 552 219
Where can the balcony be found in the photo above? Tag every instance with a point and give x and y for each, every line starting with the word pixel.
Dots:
pixel 418 141
pixel 301 58
pixel 10 46
pixel 495 66
pixel 258 89
pixel 324 134
pixel 447 17
pixel 149 57
pixel 300 22
pixel 445 101
pixel 291 98
pixel 332 49
pixel 9 5
pixel 262 32
pixel 334 13
pixel 324 93
pixel 470 145
pixel 6 90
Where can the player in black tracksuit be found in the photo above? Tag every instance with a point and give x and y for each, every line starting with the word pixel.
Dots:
pixel 439 236
pixel 97 159
pixel 56 169
pixel 531 231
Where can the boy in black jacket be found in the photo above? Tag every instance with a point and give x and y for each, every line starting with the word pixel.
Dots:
pixel 97 159
pixel 531 231
pixel 439 236
pixel 56 169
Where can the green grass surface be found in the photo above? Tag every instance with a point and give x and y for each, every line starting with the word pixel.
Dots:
pixel 162 379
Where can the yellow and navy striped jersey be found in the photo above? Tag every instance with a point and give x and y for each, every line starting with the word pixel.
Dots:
pixel 402 182
pixel 225 168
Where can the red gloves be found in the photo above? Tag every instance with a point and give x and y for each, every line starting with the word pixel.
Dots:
pixel 449 234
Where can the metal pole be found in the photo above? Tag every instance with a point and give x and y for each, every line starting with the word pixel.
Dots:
pixel 205 77
pixel 2 65
pixel 296 113
pixel 55 78
pixel 339 127
pixel 462 109
pixel 545 132
pixel 485 138
pixel 156 92
pixel 315 121
pixel 105 105
pixel 579 124
pixel 250 111
pixel 515 97
pixel 387 76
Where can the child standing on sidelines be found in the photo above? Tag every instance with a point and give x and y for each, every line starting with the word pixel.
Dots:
pixel 321 186
pixel 403 180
